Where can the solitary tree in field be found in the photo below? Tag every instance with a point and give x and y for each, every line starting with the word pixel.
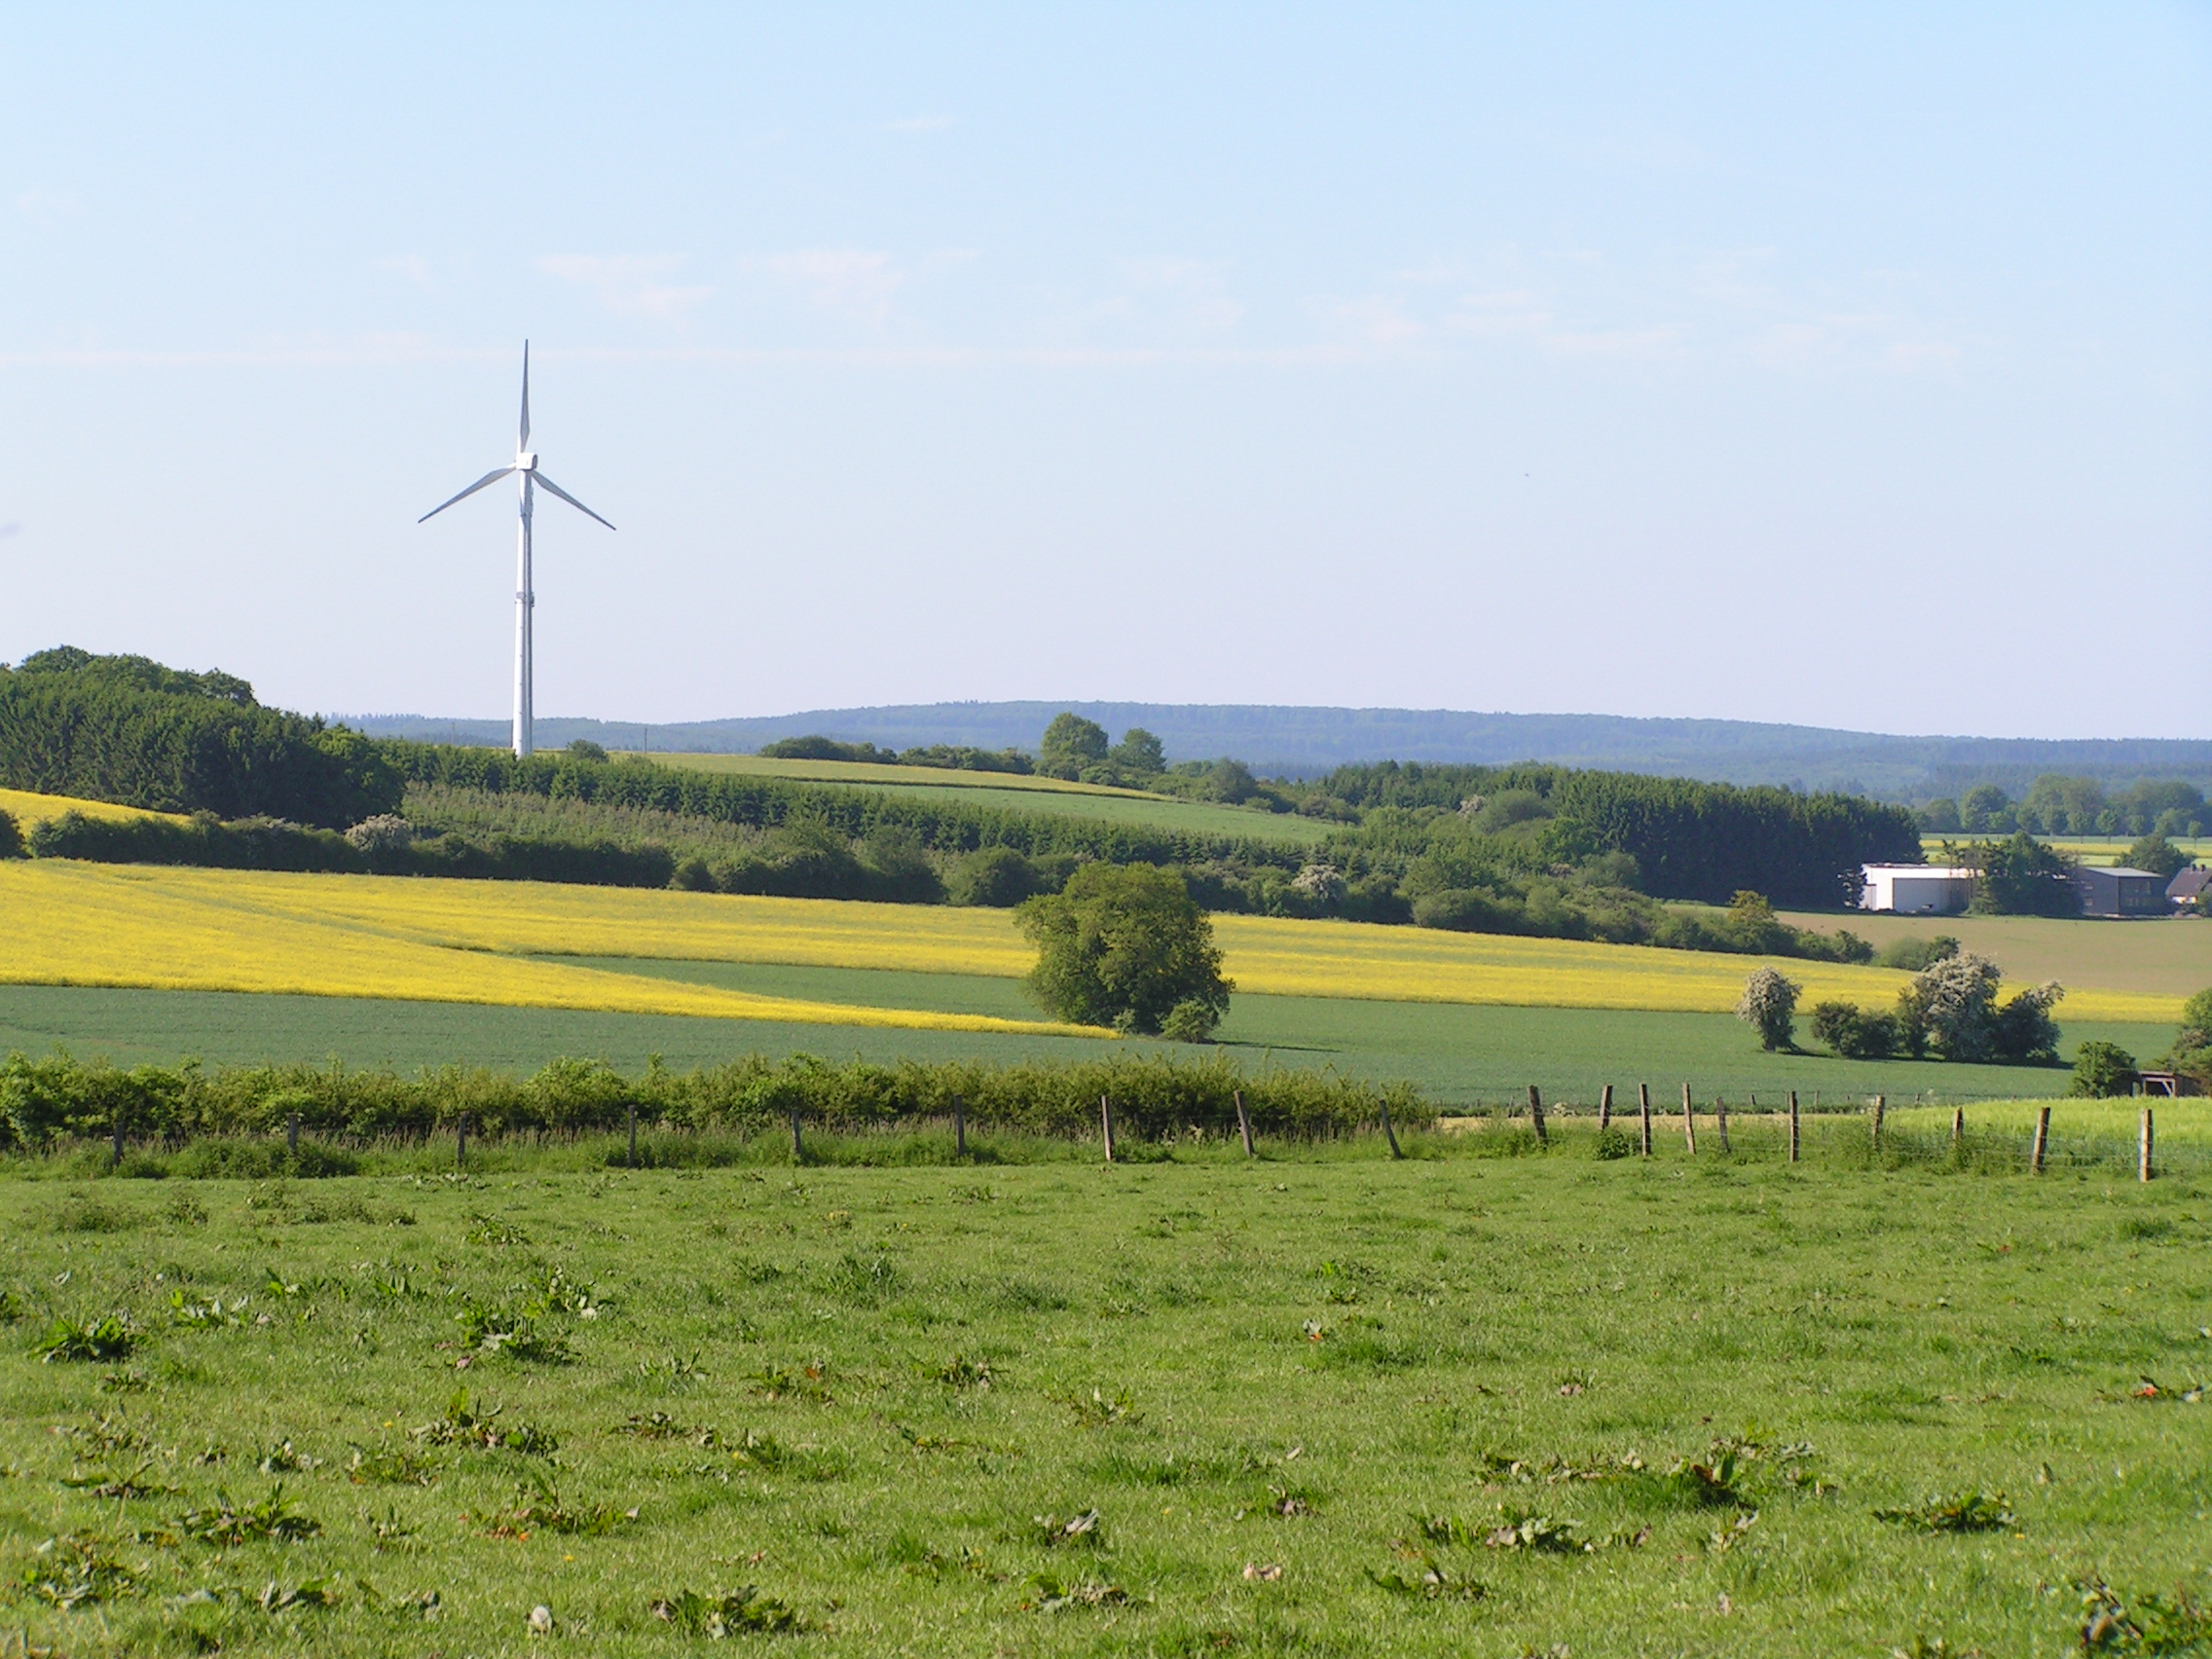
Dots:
pixel 1070 743
pixel 1770 1004
pixel 1124 945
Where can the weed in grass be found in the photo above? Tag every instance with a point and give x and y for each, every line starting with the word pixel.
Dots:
pixel 781 1381
pixel 1712 1483
pixel 81 1214
pixel 720 1615
pixel 676 1370
pixel 492 1230
pixel 961 1372
pixel 129 1380
pixel 213 1315
pixel 1100 1412
pixel 659 1425
pixel 477 1427
pixel 390 1532
pixel 539 1508
pixel 1969 1512
pixel 1432 1581
pixel 77 1569
pixel 97 1342
pixel 1082 1527
pixel 104 1437
pixel 1734 1533
pixel 1050 1594
pixel 509 1331
pixel 2147 1624
pixel 803 1463
pixel 120 1487
pixel 1540 1535
pixel 227 1522
pixel 388 1465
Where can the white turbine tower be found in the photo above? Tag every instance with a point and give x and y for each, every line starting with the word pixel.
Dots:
pixel 525 467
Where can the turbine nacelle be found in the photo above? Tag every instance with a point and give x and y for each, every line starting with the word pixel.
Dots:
pixel 526 462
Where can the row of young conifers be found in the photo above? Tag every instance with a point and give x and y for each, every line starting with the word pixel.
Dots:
pixel 1531 849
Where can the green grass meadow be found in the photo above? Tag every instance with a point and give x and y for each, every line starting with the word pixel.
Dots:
pixel 1462 1055
pixel 1321 1403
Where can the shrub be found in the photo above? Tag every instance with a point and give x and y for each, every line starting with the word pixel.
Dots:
pixel 1769 1004
pixel 1914 954
pixel 2157 855
pixel 1854 1033
pixel 10 839
pixel 2101 1071
pixel 1122 946
pixel 995 876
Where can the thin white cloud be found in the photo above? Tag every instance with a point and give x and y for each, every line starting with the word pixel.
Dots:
pixel 410 268
pixel 628 285
pixel 851 282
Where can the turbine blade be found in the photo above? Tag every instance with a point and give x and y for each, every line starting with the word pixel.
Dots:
pixel 546 483
pixel 488 478
pixel 523 442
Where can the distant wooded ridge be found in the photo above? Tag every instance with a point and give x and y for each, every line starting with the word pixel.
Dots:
pixel 1300 742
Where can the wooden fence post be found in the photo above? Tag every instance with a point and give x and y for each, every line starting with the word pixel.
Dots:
pixel 1880 1100
pixel 1106 1125
pixel 460 1142
pixel 799 1146
pixel 292 1135
pixel 1536 1115
pixel 2042 1143
pixel 1689 1121
pixel 1643 1106
pixel 959 1127
pixel 2143 1149
pixel 1389 1133
pixel 1721 1120
pixel 116 1163
pixel 1244 1124
pixel 1794 1125
pixel 1958 1130
pixel 632 1134
pixel 1605 1109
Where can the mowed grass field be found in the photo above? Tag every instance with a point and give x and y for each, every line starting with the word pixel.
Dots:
pixel 1016 792
pixel 487 941
pixel 1314 1405
pixel 2170 956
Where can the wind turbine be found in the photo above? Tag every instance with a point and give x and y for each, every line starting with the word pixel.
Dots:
pixel 525 467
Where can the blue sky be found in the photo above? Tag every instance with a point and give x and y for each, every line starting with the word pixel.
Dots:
pixel 1849 365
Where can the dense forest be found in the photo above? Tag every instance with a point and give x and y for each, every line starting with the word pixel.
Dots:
pixel 126 729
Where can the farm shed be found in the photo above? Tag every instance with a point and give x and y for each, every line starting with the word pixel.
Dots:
pixel 1916 890
pixel 2121 892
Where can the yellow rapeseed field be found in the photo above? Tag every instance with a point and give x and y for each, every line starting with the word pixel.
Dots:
pixel 26 808
pixel 370 936
pixel 63 923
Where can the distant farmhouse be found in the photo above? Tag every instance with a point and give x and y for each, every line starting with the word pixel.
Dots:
pixel 2187 887
pixel 2121 892
pixel 1916 890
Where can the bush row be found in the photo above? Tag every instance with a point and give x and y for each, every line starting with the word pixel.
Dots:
pixel 45 1100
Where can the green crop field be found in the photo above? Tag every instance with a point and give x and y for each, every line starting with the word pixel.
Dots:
pixel 1320 1404
pixel 2167 956
pixel 1015 792
pixel 1460 1054
pixel 2088 849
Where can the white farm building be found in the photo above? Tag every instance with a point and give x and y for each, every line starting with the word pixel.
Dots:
pixel 1916 890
